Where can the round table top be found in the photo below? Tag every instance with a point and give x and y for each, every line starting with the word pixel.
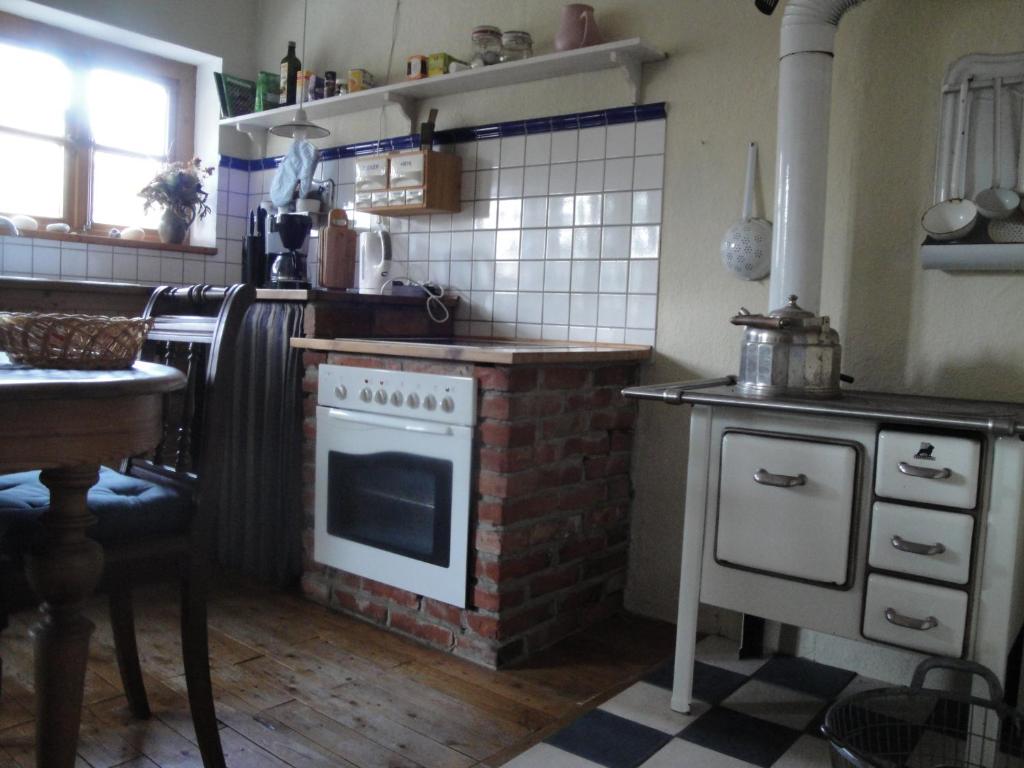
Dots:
pixel 23 382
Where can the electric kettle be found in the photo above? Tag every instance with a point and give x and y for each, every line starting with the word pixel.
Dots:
pixel 373 252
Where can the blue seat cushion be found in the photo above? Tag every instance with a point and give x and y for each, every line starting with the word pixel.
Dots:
pixel 126 508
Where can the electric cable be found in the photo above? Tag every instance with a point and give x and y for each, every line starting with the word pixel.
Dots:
pixel 435 295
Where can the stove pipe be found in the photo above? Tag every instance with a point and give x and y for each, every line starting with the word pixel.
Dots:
pixel 801 169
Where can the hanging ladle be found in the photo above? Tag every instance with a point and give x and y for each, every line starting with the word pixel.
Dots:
pixel 954 217
pixel 996 202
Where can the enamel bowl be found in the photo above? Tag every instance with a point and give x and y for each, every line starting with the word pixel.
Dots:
pixel 950 220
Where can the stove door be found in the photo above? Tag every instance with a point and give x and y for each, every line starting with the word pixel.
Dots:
pixel 786 506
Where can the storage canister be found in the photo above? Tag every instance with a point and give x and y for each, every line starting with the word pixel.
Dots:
pixel 486 45
pixel 516 45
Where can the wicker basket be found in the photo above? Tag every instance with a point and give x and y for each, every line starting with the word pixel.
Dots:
pixel 84 342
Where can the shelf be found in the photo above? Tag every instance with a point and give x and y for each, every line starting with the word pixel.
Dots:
pixel 973 257
pixel 627 55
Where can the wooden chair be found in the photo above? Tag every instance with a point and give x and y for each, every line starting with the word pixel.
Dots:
pixel 156 515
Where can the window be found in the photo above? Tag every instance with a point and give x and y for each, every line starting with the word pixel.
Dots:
pixel 86 125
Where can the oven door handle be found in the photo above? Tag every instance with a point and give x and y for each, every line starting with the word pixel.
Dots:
pixel 764 477
pixel 928 473
pixel 390 422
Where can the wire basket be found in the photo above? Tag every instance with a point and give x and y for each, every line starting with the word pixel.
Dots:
pixel 918 727
pixel 84 342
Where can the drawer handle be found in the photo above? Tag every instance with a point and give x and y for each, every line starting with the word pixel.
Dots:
pixel 909 623
pixel 764 477
pixel 915 548
pixel 926 472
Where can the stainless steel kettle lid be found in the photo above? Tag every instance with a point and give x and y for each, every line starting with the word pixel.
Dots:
pixel 790 316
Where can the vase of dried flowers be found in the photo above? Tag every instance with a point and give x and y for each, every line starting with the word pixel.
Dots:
pixel 178 188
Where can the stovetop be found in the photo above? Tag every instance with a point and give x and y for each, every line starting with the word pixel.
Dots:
pixel 950 413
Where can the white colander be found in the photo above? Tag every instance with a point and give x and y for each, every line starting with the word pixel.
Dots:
pixel 746 249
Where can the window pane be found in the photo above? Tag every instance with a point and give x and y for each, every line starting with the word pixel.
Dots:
pixel 36 90
pixel 117 181
pixel 32 180
pixel 128 112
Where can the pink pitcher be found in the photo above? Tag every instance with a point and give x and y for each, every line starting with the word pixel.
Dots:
pixel 579 29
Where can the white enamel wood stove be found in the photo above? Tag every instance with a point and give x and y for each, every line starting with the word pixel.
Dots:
pixel 890 519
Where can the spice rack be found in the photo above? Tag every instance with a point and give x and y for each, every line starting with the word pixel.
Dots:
pixel 629 56
pixel 409 183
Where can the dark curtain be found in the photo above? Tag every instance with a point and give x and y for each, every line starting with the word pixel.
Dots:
pixel 260 525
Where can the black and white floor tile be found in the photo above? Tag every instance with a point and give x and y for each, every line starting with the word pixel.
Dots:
pixel 759 712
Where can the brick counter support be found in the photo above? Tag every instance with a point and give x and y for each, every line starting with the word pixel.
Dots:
pixel 549 516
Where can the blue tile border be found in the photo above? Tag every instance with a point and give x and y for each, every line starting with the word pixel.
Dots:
pixel 569 122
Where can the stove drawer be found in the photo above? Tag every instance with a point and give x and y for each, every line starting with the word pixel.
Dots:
pixel 915 615
pixel 786 506
pixel 921 542
pixel 931 469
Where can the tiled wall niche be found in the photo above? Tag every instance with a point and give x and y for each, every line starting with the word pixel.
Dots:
pixel 558 238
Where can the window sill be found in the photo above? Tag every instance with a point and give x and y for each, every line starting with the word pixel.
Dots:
pixel 154 245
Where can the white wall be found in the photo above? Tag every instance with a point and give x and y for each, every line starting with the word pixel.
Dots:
pixel 223 28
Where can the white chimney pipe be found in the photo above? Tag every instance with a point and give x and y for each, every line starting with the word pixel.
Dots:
pixel 801 169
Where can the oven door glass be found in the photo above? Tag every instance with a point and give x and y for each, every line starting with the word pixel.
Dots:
pixel 394 501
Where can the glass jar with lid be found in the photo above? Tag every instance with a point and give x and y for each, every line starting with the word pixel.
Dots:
pixel 516 45
pixel 486 45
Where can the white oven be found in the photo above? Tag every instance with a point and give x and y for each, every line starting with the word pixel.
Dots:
pixel 393 476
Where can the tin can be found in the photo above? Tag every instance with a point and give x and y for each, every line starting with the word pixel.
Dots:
pixel 416 67
pixel 359 80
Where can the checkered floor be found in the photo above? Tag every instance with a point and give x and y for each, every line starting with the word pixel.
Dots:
pixel 752 712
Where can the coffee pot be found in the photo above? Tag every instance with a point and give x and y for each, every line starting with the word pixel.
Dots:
pixel 289 267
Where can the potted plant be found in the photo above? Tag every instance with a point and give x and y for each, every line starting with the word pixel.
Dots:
pixel 179 189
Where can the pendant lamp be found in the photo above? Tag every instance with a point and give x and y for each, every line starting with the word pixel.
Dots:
pixel 300 127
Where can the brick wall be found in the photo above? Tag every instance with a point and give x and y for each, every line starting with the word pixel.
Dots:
pixel 549 516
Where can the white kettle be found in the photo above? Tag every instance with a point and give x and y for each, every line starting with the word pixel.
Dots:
pixel 373 251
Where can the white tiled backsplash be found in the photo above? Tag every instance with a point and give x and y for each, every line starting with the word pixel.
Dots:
pixel 558 237
pixel 30 257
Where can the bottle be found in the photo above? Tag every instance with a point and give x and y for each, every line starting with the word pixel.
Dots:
pixel 290 66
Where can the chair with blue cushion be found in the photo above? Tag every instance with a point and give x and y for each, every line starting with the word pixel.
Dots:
pixel 156 515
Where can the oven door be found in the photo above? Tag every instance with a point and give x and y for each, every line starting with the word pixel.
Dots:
pixel 392 501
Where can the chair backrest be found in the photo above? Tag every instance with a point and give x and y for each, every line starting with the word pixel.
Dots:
pixel 194 330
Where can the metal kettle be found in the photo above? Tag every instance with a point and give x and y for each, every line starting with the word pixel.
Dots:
pixel 373 254
pixel 788 351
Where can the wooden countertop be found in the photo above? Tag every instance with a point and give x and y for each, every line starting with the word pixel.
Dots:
pixel 262 294
pixel 344 297
pixel 494 351
pixel 90 286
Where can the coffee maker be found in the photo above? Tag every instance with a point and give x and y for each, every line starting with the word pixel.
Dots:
pixel 288 269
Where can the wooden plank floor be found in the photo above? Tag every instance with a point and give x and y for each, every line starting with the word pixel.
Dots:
pixel 299 686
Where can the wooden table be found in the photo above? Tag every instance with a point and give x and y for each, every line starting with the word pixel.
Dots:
pixel 67 423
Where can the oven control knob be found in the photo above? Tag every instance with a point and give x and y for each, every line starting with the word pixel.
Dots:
pixel 397 398
pixel 413 400
pixel 447 405
pixel 366 395
pixel 381 396
pixel 430 402
pixel 340 392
